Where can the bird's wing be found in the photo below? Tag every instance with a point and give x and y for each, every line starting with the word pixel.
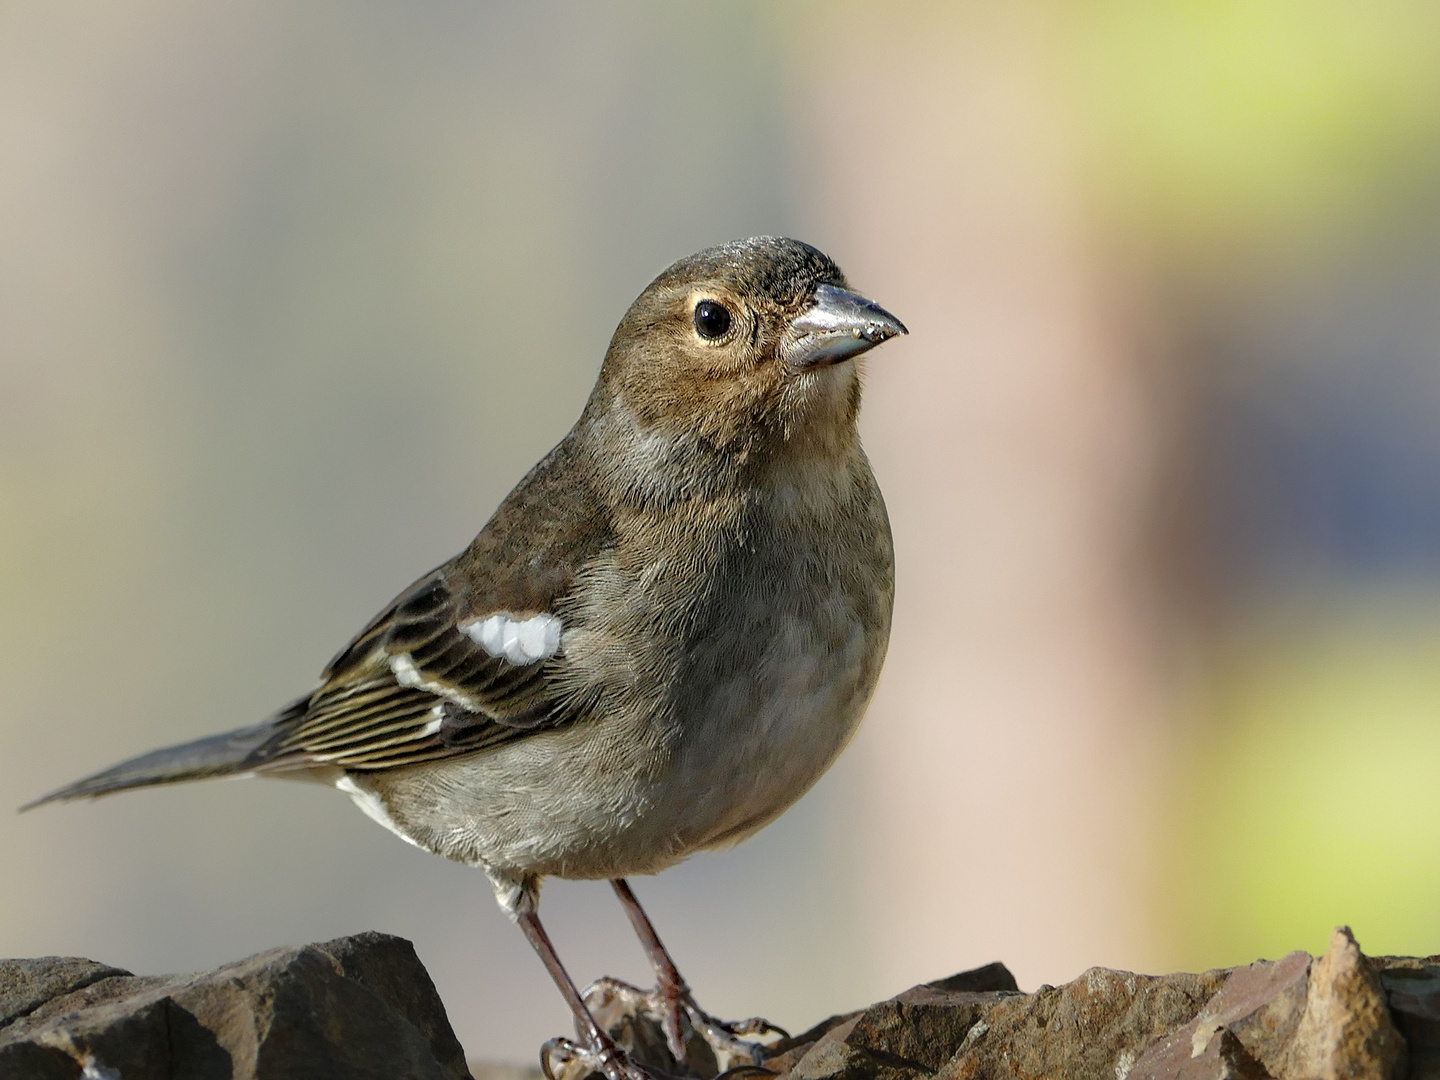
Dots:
pixel 470 656
pixel 428 678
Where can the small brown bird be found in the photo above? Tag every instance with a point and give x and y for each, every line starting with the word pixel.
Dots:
pixel 663 637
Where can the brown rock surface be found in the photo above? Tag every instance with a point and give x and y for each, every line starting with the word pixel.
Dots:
pixel 1412 986
pixel 1346 1029
pixel 357 1007
pixel 1258 1007
pixel 912 1034
pixel 364 1007
pixel 1297 1018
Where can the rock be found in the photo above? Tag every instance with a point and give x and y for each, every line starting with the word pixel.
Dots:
pixel 977 1024
pixel 363 1007
pixel 1297 1018
pixel 1346 1030
pixel 1249 1021
pixel 1412 987
pixel 917 1031
pixel 937 1014
pixel 1096 1026
pixel 908 1036
pixel 25 985
pixel 357 1007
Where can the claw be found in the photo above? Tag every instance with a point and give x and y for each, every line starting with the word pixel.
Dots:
pixel 756 1025
pixel 724 1039
pixel 674 1036
pixel 606 996
pixel 563 1049
pixel 565 1059
pixel 698 1044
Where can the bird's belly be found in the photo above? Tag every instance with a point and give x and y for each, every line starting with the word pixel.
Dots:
pixel 567 802
pixel 770 721
pixel 633 792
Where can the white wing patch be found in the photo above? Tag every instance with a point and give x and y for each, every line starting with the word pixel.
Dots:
pixel 520 641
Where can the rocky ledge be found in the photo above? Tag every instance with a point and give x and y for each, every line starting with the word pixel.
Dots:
pixel 364 1007
pixel 360 1007
pixel 1339 1015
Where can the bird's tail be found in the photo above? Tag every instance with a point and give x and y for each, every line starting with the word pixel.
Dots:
pixel 231 753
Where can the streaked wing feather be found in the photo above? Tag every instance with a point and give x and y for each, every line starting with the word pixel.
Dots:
pixel 362 716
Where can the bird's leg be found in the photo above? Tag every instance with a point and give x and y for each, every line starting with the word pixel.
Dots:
pixel 670 985
pixel 599 1054
pixel 676 1000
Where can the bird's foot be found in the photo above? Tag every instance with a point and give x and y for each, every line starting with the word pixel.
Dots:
pixel 726 1038
pixel 565 1059
pixel 698 1043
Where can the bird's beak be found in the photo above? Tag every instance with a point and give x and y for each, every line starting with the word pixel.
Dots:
pixel 839 325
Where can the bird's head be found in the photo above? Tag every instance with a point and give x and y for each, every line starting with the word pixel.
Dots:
pixel 746 348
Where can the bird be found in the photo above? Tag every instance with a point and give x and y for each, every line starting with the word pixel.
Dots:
pixel 661 639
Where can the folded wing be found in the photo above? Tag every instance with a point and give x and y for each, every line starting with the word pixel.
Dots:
pixel 428 679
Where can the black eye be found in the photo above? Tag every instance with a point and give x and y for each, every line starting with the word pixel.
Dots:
pixel 711 319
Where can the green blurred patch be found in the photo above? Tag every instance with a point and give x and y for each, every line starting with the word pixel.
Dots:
pixel 1208 121
pixel 1312 796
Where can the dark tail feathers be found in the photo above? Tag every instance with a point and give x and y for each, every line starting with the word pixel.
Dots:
pixel 226 754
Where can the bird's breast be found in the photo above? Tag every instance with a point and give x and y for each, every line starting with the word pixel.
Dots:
pixel 783 655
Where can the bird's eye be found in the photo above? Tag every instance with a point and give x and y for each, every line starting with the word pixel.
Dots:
pixel 711 319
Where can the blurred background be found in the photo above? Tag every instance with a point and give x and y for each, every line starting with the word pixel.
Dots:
pixel 290 296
